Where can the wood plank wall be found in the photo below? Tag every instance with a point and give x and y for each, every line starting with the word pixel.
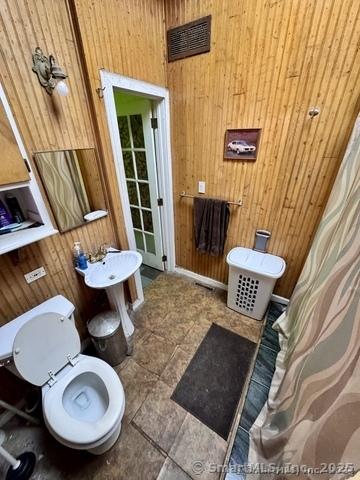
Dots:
pixel 124 37
pixel 46 123
pixel 270 62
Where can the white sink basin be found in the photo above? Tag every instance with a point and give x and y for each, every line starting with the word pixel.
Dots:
pixel 114 269
pixel 110 274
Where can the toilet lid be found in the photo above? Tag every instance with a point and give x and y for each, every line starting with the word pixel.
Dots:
pixel 43 345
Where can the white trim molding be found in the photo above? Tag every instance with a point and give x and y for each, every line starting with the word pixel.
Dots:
pixel 279 299
pixel 134 306
pixel 109 81
pixel 210 282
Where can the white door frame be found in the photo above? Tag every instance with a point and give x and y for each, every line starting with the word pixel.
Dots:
pixel 110 80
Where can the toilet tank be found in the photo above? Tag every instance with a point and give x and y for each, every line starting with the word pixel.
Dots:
pixel 58 304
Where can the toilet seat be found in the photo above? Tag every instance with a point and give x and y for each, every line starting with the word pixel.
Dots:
pixel 44 345
pixel 83 398
pixel 76 431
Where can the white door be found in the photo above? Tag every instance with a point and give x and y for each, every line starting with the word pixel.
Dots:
pixel 138 151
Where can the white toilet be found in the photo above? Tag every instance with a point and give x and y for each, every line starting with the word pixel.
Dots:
pixel 83 398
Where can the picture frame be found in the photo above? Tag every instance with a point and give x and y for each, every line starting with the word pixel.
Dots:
pixel 242 144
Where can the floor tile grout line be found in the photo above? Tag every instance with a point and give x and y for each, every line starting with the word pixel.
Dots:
pixel 261 384
pixel 267 348
pixel 244 429
pixel 149 439
pixel 153 442
pixel 142 403
pixel 179 466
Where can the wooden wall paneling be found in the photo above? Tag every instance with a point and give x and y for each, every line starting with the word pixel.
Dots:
pixel 270 62
pixel 46 123
pixel 111 37
pixel 340 36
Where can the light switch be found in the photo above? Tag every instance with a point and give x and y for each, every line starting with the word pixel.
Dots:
pixel 201 188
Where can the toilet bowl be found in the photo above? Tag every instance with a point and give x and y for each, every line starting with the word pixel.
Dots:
pixel 84 408
pixel 82 397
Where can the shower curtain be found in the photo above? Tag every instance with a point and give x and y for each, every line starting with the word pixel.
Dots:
pixel 312 416
pixel 65 187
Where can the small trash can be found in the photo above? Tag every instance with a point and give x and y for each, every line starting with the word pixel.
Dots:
pixel 252 278
pixel 108 337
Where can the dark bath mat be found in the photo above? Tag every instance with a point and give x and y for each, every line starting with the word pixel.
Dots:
pixel 211 386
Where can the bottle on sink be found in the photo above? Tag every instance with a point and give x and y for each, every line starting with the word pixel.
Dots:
pixel 79 257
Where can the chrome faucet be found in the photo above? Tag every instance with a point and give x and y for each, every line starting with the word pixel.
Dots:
pixel 101 253
pixel 98 255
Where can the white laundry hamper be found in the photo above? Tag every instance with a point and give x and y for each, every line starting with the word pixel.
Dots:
pixel 252 278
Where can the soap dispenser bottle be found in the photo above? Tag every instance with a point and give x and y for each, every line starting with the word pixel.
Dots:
pixel 83 261
pixel 76 253
pixel 79 256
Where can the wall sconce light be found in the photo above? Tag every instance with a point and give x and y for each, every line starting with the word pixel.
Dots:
pixel 50 75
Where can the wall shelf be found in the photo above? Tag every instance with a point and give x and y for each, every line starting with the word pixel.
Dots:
pixel 14 240
pixel 29 198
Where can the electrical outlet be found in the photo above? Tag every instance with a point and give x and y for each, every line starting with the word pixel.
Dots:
pixel 201 187
pixel 35 275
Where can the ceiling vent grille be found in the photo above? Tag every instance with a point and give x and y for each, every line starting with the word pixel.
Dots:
pixel 190 39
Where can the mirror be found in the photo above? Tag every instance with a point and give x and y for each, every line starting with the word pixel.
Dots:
pixel 73 185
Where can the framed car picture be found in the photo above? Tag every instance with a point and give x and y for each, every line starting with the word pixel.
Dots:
pixel 242 144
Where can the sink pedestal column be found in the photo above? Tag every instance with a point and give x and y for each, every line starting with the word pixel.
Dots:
pixel 116 298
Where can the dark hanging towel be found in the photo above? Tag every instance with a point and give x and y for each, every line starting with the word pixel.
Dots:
pixel 211 220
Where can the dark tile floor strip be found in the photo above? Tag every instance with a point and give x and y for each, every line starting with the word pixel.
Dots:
pixel 148 275
pixel 258 391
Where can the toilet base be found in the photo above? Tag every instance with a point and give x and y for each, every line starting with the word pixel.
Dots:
pixel 104 447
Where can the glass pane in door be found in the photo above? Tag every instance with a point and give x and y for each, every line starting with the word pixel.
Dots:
pixel 145 195
pixel 141 167
pixel 150 243
pixel 128 164
pixel 124 131
pixel 139 239
pixel 132 192
pixel 147 219
pixel 137 131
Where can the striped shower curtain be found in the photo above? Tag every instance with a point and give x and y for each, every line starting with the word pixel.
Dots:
pixel 312 416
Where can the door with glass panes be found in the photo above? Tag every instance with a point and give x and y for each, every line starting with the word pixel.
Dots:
pixel 138 151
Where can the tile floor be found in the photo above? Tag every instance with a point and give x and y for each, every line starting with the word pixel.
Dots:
pixel 159 440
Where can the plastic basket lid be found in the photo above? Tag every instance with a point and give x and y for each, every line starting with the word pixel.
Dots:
pixel 262 263
pixel 104 324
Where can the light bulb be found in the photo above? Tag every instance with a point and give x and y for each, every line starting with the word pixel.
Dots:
pixel 62 88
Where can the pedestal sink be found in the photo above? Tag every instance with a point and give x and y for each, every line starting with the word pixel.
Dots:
pixel 109 274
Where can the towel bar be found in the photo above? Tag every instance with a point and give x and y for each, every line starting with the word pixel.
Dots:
pixel 188 195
